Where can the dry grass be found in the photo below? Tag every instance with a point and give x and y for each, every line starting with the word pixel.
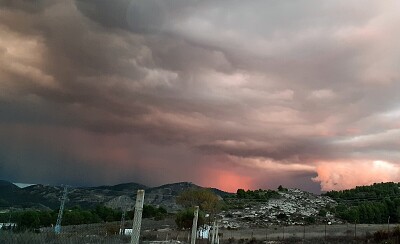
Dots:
pixel 39 238
pixel 105 233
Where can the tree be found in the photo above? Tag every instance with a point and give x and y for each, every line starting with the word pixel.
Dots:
pixel 240 193
pixel 107 214
pixel 281 188
pixel 204 198
pixel 184 218
pixel 29 220
pixel 46 219
pixel 153 212
pixel 322 212
pixel 310 220
pixel 257 194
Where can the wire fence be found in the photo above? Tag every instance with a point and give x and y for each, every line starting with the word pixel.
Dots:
pixel 111 233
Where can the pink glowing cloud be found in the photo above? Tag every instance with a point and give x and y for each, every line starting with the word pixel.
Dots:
pixel 345 175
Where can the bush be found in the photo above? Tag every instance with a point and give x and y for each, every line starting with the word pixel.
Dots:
pixel 29 220
pixel 150 212
pixel 107 214
pixel 112 229
pixel 381 235
pixel 396 231
pixel 310 220
pixel 322 212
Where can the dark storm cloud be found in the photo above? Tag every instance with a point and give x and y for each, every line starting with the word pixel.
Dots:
pixel 137 16
pixel 36 6
pixel 218 86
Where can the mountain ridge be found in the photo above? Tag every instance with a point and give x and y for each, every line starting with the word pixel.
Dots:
pixel 121 195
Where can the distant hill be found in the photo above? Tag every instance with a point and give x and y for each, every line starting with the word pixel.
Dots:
pixel 4 183
pixel 221 193
pixel 116 196
pixel 124 187
pixel 13 196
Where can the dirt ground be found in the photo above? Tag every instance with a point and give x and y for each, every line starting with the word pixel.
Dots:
pixel 345 233
pixel 165 231
pixel 309 231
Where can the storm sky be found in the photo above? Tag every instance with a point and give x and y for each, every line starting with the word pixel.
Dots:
pixel 222 93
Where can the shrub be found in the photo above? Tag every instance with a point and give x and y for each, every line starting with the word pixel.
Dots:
pixel 381 235
pixel 112 229
pixel 184 218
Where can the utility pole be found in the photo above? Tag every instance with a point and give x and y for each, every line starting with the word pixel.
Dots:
pixel 122 227
pixel 194 227
pixel 124 209
pixel 57 228
pixel 137 219
pixel 388 225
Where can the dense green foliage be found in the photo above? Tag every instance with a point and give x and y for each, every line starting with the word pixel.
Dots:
pixel 29 219
pixel 32 219
pixel 151 212
pixel 184 218
pixel 375 192
pixel 257 194
pixel 207 200
pixel 243 199
pixel 368 204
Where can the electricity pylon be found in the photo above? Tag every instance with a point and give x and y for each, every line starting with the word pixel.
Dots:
pixel 57 228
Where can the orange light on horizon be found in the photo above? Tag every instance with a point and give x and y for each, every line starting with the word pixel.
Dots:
pixel 227 181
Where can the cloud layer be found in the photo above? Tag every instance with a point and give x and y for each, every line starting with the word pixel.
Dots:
pixel 226 94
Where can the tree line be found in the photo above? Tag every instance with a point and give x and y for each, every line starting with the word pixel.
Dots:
pixel 377 203
pixel 34 219
pixel 257 194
